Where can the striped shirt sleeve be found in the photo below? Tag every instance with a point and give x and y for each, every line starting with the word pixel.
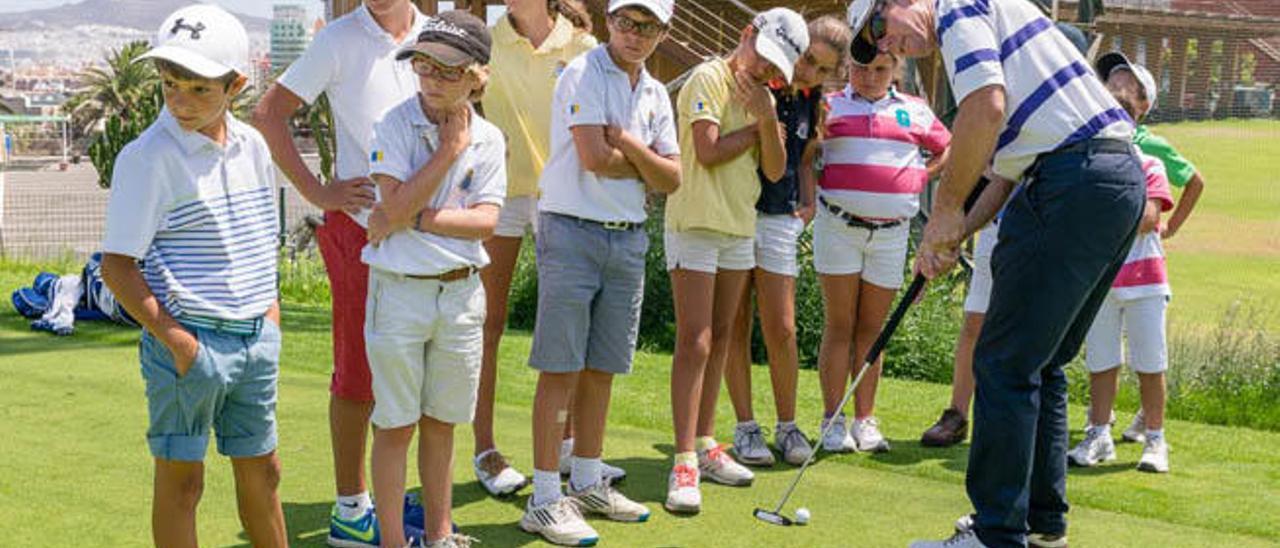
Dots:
pixel 970 46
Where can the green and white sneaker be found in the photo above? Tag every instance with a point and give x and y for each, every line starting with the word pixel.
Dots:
pixel 1095 448
pixel 1155 455
pixel 559 522
pixel 604 500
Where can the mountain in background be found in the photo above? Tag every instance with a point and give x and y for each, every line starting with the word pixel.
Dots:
pixel 145 15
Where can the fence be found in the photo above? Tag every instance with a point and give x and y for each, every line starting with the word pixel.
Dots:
pixel 48 214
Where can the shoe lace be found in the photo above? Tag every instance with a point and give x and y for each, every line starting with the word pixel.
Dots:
pixel 755 438
pixel 565 509
pixel 686 476
pixel 793 438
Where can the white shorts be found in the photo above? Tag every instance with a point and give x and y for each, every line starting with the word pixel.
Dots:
pixel 980 284
pixel 424 339
pixel 708 251
pixel 1142 322
pixel 519 215
pixel 776 237
pixel 839 249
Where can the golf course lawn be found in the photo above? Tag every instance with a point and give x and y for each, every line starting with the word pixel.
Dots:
pixel 76 468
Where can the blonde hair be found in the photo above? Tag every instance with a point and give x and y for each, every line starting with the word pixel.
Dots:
pixel 481 74
pixel 832 32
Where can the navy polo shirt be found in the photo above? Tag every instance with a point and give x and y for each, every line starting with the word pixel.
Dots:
pixel 799 112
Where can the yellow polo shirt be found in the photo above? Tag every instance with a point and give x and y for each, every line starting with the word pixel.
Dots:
pixel 522 83
pixel 722 198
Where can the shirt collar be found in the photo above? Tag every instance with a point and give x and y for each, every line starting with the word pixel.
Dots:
pixel 430 131
pixel 891 97
pixel 562 32
pixel 602 57
pixel 193 142
pixel 372 27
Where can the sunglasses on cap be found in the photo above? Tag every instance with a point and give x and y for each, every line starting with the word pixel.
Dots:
pixel 631 26
pixel 877 27
pixel 425 66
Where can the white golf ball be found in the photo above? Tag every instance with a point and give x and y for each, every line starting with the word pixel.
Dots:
pixel 802 516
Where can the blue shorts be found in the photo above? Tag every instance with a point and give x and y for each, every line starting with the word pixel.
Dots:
pixel 231 387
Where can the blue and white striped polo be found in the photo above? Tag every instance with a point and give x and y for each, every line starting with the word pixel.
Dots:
pixel 202 216
pixel 1053 97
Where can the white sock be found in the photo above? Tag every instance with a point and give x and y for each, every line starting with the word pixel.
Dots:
pixel 546 487
pixel 1155 434
pixel 584 473
pixel 748 425
pixel 566 447
pixel 353 506
pixel 704 443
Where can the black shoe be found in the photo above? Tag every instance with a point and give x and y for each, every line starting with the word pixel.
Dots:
pixel 951 428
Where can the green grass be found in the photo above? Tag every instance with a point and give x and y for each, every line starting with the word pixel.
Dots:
pixel 76 467
pixel 1229 251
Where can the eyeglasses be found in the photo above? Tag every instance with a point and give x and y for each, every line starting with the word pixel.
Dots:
pixel 423 66
pixel 631 26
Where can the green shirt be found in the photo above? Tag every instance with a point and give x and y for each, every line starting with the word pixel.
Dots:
pixel 1179 168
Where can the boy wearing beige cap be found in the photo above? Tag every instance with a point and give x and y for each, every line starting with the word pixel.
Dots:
pixel 193 197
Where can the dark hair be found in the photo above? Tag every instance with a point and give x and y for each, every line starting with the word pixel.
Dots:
pixel 165 66
pixel 573 10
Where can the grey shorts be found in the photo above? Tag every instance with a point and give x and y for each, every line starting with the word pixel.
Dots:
pixel 590 287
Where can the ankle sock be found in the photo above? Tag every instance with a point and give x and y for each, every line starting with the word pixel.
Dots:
pixel 353 506
pixel 704 443
pixel 584 473
pixel 546 487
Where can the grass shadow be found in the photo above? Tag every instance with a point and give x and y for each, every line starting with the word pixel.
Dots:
pixel 307 523
pixel 87 335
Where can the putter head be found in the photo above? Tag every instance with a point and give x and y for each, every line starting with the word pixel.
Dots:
pixel 772 518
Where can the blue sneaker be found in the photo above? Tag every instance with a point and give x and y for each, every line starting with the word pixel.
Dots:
pixel 415 517
pixel 361 532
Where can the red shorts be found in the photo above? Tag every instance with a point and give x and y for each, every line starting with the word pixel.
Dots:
pixel 341 239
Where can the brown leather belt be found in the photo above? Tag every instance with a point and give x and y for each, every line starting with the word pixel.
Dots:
pixel 450 276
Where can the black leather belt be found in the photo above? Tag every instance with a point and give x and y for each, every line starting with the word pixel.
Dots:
pixel 854 220
pixel 1105 146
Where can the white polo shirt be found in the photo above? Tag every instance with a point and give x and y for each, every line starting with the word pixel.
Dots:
pixel 404 141
pixel 1052 96
pixel 593 91
pixel 352 60
pixel 201 216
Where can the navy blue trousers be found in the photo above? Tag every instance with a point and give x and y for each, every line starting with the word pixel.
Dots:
pixel 1063 238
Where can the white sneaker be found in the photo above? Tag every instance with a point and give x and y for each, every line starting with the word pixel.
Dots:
pixel 611 474
pixel 1096 447
pixel 496 475
pixel 1155 456
pixel 962 539
pixel 603 499
pixel 1137 430
pixel 452 541
pixel 867 437
pixel 749 446
pixel 719 467
pixel 793 445
pixel 837 440
pixel 683 495
pixel 559 522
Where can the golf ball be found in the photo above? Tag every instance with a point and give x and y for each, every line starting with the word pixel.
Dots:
pixel 802 516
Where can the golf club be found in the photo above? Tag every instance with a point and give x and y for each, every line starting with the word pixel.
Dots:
pixel 775 516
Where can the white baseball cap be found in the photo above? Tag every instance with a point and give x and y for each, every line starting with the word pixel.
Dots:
pixel 1108 64
pixel 662 9
pixel 781 37
pixel 203 39
pixel 862 50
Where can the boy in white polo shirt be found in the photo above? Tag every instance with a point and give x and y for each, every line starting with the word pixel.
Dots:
pixel 192 196
pixel 440 171
pixel 612 139
pixel 352 62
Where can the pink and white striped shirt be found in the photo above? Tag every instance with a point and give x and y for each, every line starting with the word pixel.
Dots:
pixel 1144 273
pixel 873 167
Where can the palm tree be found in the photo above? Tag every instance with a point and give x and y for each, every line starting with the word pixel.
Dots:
pixel 114 90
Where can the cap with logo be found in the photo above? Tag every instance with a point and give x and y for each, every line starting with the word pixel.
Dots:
pixel 781 37
pixel 1111 62
pixel 662 9
pixel 454 38
pixel 862 50
pixel 204 39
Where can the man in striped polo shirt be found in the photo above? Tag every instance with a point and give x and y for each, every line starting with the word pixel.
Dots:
pixel 1031 107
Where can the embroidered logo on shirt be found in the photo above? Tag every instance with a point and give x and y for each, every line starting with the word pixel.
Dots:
pixel 904 119
pixel 574 108
pixel 376 156
pixel 699 106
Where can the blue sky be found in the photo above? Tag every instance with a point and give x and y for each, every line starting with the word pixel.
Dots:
pixel 258 8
